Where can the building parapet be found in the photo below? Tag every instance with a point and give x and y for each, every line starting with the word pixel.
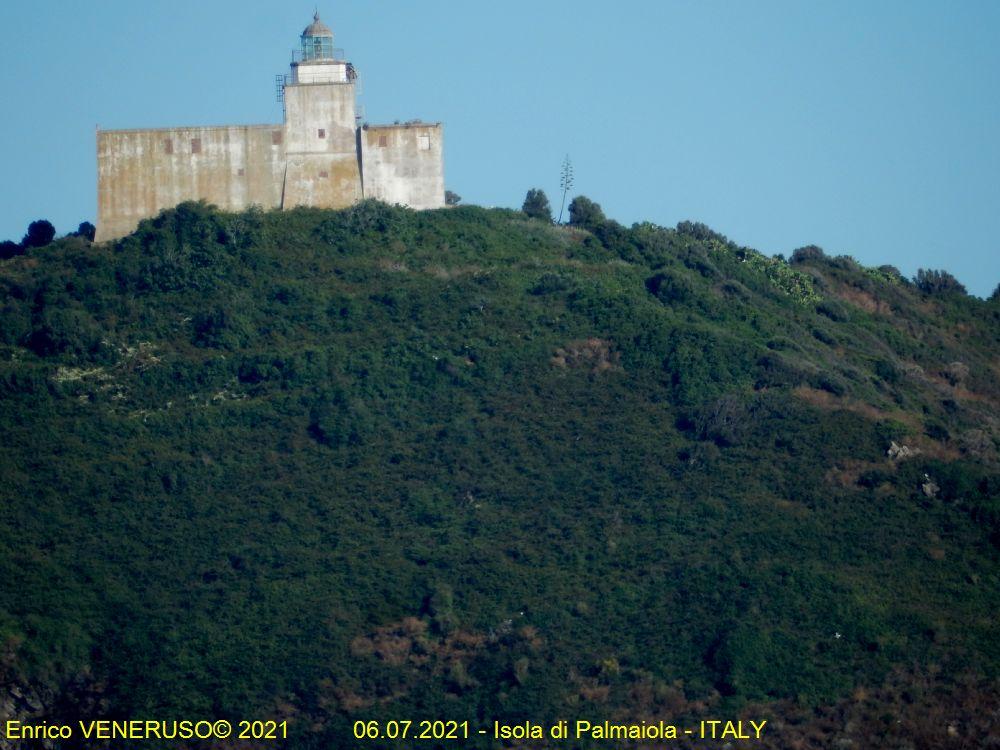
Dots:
pixel 256 126
pixel 407 124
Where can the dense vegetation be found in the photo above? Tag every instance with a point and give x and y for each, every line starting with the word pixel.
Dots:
pixel 469 464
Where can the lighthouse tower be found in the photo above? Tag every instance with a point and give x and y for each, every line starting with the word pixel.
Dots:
pixel 320 128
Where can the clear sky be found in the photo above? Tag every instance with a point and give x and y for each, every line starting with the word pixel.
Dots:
pixel 869 128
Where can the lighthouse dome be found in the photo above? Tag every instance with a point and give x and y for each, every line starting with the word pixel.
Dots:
pixel 317 28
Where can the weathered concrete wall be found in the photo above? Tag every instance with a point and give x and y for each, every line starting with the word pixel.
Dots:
pixel 404 164
pixel 142 172
pixel 321 148
pixel 322 181
pixel 319 118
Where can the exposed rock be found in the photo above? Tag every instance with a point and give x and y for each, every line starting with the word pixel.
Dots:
pixel 914 371
pixel 929 487
pixel 19 704
pixel 899 452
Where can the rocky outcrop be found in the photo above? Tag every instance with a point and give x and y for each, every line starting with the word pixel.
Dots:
pixel 899 452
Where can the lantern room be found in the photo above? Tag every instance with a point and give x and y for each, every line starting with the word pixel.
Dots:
pixel 317 41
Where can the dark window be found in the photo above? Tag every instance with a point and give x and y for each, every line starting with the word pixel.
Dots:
pixel 241 172
pixel 196 145
pixel 324 174
pixel 383 141
pixel 322 133
pixel 168 146
pixel 276 137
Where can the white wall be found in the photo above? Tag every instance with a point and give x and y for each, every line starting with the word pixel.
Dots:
pixel 404 164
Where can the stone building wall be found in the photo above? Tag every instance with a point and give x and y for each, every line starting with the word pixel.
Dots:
pixel 404 164
pixel 141 172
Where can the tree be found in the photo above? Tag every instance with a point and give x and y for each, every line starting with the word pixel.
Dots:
pixel 9 249
pixel 807 253
pixel 40 233
pixel 937 282
pixel 583 212
pixel 86 230
pixel 536 205
pixel 565 183
pixel 701 231
pixel 452 198
pixel 995 297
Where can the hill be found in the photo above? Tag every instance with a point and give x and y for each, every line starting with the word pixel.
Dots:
pixel 329 466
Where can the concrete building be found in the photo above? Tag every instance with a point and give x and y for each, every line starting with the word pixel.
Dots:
pixel 319 156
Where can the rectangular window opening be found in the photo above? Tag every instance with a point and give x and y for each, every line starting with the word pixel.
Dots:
pixel 383 141
pixel 168 146
pixel 241 172
pixel 324 174
pixel 322 133
pixel 424 142
pixel 196 145
pixel 276 137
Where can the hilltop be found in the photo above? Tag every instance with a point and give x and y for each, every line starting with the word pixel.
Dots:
pixel 376 463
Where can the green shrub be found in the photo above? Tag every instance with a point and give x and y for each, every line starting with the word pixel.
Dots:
pixel 937 282
pixel 834 310
pixel 536 206
pixel 40 233
pixel 887 371
pixel 821 334
pixel 549 283
pixel 585 213
pixel 807 254
pixel 670 288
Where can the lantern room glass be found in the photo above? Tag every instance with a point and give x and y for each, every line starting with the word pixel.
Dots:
pixel 317 48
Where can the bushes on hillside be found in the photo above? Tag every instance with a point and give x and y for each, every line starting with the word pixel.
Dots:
pixel 937 282
pixel 670 287
pixel 221 328
pixel 726 420
pixel 86 230
pixel 42 233
pixel 184 248
pixel 245 229
pixel 775 370
pixel 391 430
pixel 702 365
pixel 701 232
pixel 355 228
pixel 834 310
pixel 549 283
pixel 807 253
pixel 64 331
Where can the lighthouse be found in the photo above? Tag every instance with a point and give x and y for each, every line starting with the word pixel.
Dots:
pixel 320 156
pixel 321 150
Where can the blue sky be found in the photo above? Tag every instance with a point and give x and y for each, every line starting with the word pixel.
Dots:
pixel 871 129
